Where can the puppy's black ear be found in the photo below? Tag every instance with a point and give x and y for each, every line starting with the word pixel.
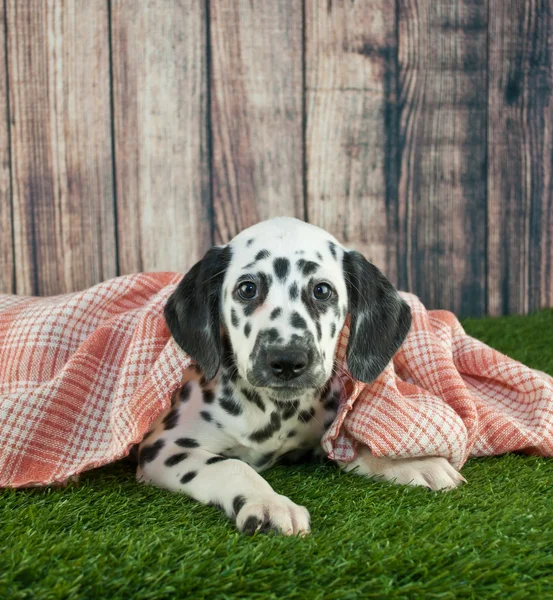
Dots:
pixel 380 319
pixel 193 310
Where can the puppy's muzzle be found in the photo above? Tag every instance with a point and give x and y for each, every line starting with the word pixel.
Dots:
pixel 287 363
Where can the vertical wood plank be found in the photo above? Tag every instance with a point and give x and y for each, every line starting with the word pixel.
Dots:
pixel 256 112
pixel 58 54
pixel 442 192
pixel 351 140
pixel 160 120
pixel 520 134
pixel 6 237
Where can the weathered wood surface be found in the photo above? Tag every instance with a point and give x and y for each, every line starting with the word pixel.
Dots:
pixel 520 148
pixel 7 274
pixel 58 61
pixel 256 112
pixel 160 131
pixel 133 135
pixel 351 137
pixel 442 184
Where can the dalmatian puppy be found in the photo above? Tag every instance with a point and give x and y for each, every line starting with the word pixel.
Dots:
pixel 261 318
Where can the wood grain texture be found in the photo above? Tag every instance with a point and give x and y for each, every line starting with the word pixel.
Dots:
pixel 58 55
pixel 520 134
pixel 160 118
pixel 351 140
pixel 256 112
pixel 442 190
pixel 7 281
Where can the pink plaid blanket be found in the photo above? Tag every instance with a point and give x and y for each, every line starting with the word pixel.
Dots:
pixel 83 375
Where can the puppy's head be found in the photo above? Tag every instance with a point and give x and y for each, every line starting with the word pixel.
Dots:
pixel 272 303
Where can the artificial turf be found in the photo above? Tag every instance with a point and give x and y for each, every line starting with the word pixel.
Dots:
pixel 108 537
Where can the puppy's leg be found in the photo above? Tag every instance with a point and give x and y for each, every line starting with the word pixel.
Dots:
pixel 228 483
pixel 433 472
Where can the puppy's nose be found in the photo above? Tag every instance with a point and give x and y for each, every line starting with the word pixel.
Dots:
pixel 287 364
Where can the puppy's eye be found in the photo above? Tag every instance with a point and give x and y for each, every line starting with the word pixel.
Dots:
pixel 322 291
pixel 247 290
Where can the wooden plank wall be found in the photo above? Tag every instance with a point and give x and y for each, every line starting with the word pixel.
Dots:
pixel 61 160
pixel 133 135
pixel 160 133
pixel 520 141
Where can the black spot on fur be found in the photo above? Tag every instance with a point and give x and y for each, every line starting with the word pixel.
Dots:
pixel 306 415
pixel 209 396
pixel 266 279
pixel 327 388
pixel 272 335
pixel 206 416
pixel 238 503
pixel 281 267
pixel 297 455
pixel 276 313
pixel 264 459
pixel 281 404
pixel 320 256
pixel 263 434
pixel 187 443
pixel 251 525
pixel 250 242
pixel 234 318
pixel 309 268
pixel 297 321
pixel 332 248
pixel 294 291
pixel 262 254
pixel 328 423
pixel 253 397
pixel 176 459
pixel 292 433
pixel 150 453
pixel 231 406
pixel 247 329
pixel 185 392
pixel 228 354
pixel 301 263
pixel 290 410
pixel 332 402
pixel 187 477
pixel 215 459
pixel 171 419
pixel 319 330
pixel 332 330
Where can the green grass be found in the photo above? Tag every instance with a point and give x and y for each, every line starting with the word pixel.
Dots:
pixel 108 537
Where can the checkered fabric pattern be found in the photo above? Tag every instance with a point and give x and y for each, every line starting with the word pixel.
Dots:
pixel 444 394
pixel 83 376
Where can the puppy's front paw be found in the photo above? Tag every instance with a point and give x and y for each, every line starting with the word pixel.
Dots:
pixel 433 472
pixel 272 512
